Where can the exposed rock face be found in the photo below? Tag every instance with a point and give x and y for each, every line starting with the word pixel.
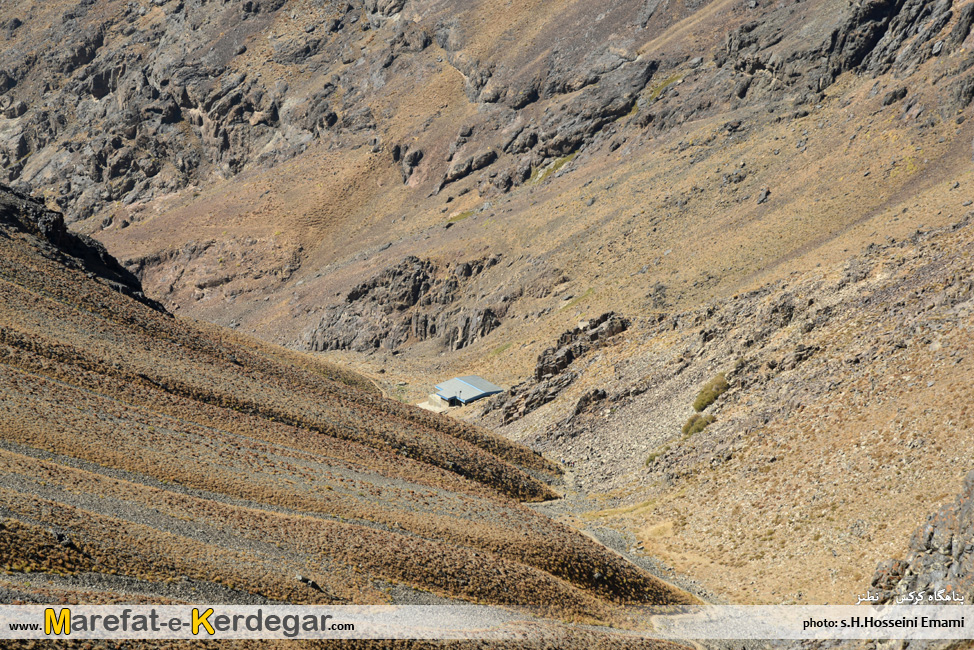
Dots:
pixel 874 38
pixel 164 95
pixel 577 342
pixel 407 302
pixel 609 85
pixel 550 376
pixel 589 400
pixel 170 92
pixel 596 106
pixel 469 165
pixel 941 554
pixel 141 101
pixel 471 326
pixel 384 8
pixel 20 212
pixel 408 159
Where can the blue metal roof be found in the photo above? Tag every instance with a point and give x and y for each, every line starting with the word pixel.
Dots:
pixel 467 389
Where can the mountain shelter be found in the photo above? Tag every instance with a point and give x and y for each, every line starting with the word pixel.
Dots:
pixel 463 390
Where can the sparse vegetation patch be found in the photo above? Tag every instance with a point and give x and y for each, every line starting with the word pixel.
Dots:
pixel 697 423
pixel 710 392
pixel 541 174
pixel 578 299
pixel 656 454
pixel 658 89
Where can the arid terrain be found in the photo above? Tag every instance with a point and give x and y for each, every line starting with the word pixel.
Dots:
pixel 718 253
pixel 151 459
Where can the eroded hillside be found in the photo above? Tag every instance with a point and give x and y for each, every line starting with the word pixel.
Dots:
pixel 427 188
pixel 255 162
pixel 832 410
pixel 147 458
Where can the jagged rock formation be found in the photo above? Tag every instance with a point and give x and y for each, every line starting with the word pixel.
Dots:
pixel 169 94
pixel 21 213
pixel 408 302
pixel 186 104
pixel 577 342
pixel 874 38
pixel 941 554
pixel 172 91
pixel 550 376
pixel 148 104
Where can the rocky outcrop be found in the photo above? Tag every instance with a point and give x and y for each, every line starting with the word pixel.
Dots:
pixel 385 8
pixel 941 554
pixel 470 326
pixel 410 301
pixel 552 374
pixel 21 213
pixel 608 97
pixel 884 34
pixel 875 37
pixel 589 400
pixel 408 159
pixel 575 343
pixel 464 168
pixel 147 101
pixel 600 90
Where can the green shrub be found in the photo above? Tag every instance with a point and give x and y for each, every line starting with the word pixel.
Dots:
pixel 710 392
pixel 697 423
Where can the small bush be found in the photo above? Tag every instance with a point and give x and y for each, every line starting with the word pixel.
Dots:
pixel 710 392
pixel 697 423
pixel 501 350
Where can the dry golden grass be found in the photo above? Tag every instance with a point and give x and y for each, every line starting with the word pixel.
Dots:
pixel 169 451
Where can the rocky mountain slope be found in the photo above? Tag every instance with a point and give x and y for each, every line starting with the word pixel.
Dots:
pixel 774 193
pixel 409 302
pixel 940 553
pixel 841 420
pixel 147 458
pixel 252 163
